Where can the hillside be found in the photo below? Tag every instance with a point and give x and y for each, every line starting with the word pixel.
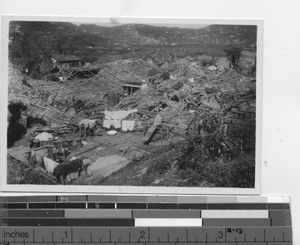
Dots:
pixel 30 41
pixel 138 34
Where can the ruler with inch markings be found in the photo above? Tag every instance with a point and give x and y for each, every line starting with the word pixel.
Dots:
pixel 145 220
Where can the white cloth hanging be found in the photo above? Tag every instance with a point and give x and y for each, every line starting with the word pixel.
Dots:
pixel 50 165
pixel 127 125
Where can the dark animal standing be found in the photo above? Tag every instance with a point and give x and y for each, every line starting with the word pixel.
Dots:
pixel 62 170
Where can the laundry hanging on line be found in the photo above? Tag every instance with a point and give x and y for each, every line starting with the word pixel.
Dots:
pixel 127 125
pixel 107 123
pixel 118 115
pixel 113 118
pixel 50 165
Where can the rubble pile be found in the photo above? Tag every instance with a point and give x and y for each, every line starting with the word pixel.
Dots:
pixel 200 108
pixel 213 112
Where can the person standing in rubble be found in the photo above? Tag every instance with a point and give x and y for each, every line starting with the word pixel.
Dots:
pixel 156 82
pixel 153 81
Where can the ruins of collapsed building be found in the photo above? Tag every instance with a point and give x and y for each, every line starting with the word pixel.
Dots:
pixel 84 124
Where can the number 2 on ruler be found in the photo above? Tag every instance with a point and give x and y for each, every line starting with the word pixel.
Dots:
pixel 142 235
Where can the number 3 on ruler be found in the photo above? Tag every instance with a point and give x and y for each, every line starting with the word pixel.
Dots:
pixel 220 234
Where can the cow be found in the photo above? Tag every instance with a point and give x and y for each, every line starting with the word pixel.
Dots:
pixel 61 171
pixel 64 171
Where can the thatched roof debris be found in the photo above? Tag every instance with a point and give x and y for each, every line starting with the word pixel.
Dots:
pixel 177 95
pixel 160 57
pixel 179 100
pixel 53 101
pixel 206 115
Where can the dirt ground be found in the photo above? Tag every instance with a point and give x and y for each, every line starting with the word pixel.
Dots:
pixel 126 144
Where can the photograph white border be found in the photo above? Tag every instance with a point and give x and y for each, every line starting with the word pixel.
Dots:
pixel 128 189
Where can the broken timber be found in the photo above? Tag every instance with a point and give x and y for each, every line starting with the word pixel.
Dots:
pixel 82 152
pixel 152 130
pixel 19 153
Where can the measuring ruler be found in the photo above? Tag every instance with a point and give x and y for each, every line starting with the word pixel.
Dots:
pixel 145 220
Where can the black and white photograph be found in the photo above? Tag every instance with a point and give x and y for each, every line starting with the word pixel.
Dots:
pixel 133 103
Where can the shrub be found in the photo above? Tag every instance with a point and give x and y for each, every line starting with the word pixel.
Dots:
pixel 239 172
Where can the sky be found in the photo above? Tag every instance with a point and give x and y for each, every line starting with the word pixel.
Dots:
pixel 192 26
pixel 180 23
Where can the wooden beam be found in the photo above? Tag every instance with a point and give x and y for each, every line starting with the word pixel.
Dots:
pixel 50 178
pixel 80 153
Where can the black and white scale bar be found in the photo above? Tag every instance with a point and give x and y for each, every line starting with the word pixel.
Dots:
pixel 137 222
pixel 170 206
pixel 132 235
